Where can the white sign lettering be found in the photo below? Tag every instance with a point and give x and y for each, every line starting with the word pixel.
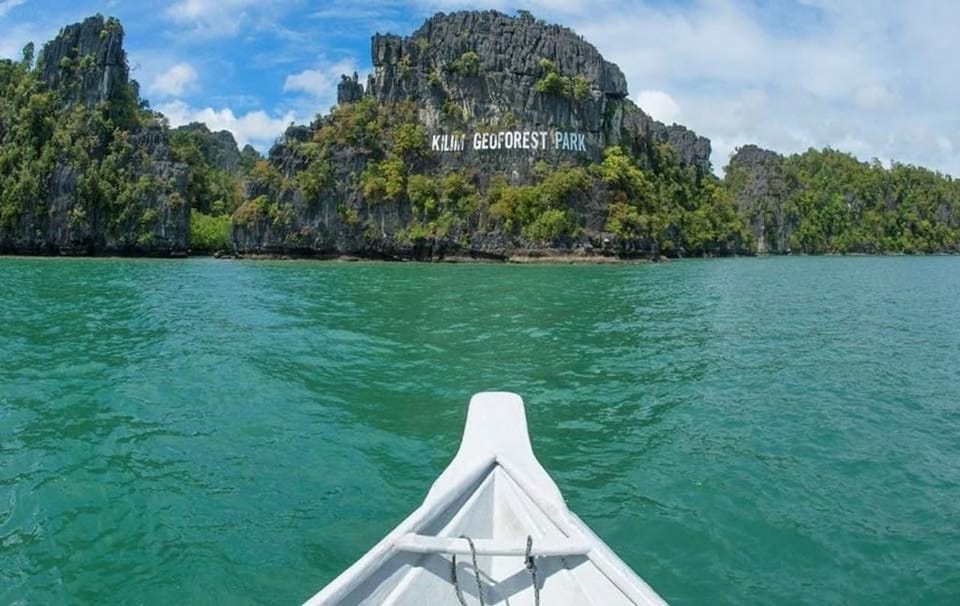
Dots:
pixel 515 139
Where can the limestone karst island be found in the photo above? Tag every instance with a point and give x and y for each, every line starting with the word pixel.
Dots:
pixel 480 135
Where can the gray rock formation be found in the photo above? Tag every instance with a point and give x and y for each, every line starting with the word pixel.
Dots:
pixel 470 70
pixel 645 133
pixel 160 224
pixel 484 69
pixel 469 74
pixel 86 62
pixel 349 90
pixel 60 225
pixel 219 148
pixel 757 180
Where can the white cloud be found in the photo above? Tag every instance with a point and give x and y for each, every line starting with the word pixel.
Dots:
pixel 174 81
pixel 312 81
pixel 874 79
pixel 8 5
pixel 319 84
pixel 212 17
pixel 257 128
pixel 16 36
pixel 660 105
pixel 875 96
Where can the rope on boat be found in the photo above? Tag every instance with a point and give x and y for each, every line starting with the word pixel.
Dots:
pixel 528 561
pixel 456 582
pixel 476 572
pixel 532 567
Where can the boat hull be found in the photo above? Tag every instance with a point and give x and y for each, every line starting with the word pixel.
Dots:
pixel 494 529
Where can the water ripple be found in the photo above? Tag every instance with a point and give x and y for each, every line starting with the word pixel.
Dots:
pixel 746 431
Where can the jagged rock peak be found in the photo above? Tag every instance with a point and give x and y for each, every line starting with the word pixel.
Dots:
pixel 503 44
pixel 753 155
pixel 473 70
pixel 91 54
pixel 517 44
pixel 756 178
pixel 219 148
pixel 349 90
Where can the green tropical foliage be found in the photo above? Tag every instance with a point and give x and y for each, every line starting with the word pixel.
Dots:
pixel 834 203
pixel 40 133
pixel 209 233
pixel 210 189
pixel 467 65
pixel 668 209
pixel 552 82
pixel 367 169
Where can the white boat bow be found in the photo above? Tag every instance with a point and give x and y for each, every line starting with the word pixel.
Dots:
pixel 494 529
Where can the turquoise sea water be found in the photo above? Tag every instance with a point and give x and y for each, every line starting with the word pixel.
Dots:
pixel 743 431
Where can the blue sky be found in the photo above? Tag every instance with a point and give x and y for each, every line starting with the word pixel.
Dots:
pixel 874 78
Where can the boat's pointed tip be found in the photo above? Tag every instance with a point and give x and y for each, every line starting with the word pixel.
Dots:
pixel 496 430
pixel 502 398
pixel 491 413
pixel 496 426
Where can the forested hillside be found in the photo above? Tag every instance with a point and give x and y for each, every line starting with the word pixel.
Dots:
pixel 829 202
pixel 479 135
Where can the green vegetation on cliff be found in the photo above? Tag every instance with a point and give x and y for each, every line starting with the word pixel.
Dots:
pixel 27 124
pixel 82 162
pixel 209 233
pixel 86 167
pixel 399 192
pixel 211 189
pixel 552 83
pixel 829 202
pixel 676 209
pixel 542 212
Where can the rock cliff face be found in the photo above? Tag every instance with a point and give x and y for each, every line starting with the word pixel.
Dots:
pixel 114 187
pixel 60 223
pixel 86 62
pixel 349 90
pixel 470 70
pixel 499 97
pixel 219 148
pixel 158 225
pixel 645 133
pixel 756 178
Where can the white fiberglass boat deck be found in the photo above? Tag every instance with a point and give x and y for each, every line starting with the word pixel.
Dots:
pixel 524 546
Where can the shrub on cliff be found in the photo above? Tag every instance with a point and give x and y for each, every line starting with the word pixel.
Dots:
pixel 440 204
pixel 253 211
pixel 541 212
pixel 209 233
pixel 467 65
pixel 551 82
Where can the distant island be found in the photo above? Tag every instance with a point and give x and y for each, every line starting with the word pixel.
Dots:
pixel 481 135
